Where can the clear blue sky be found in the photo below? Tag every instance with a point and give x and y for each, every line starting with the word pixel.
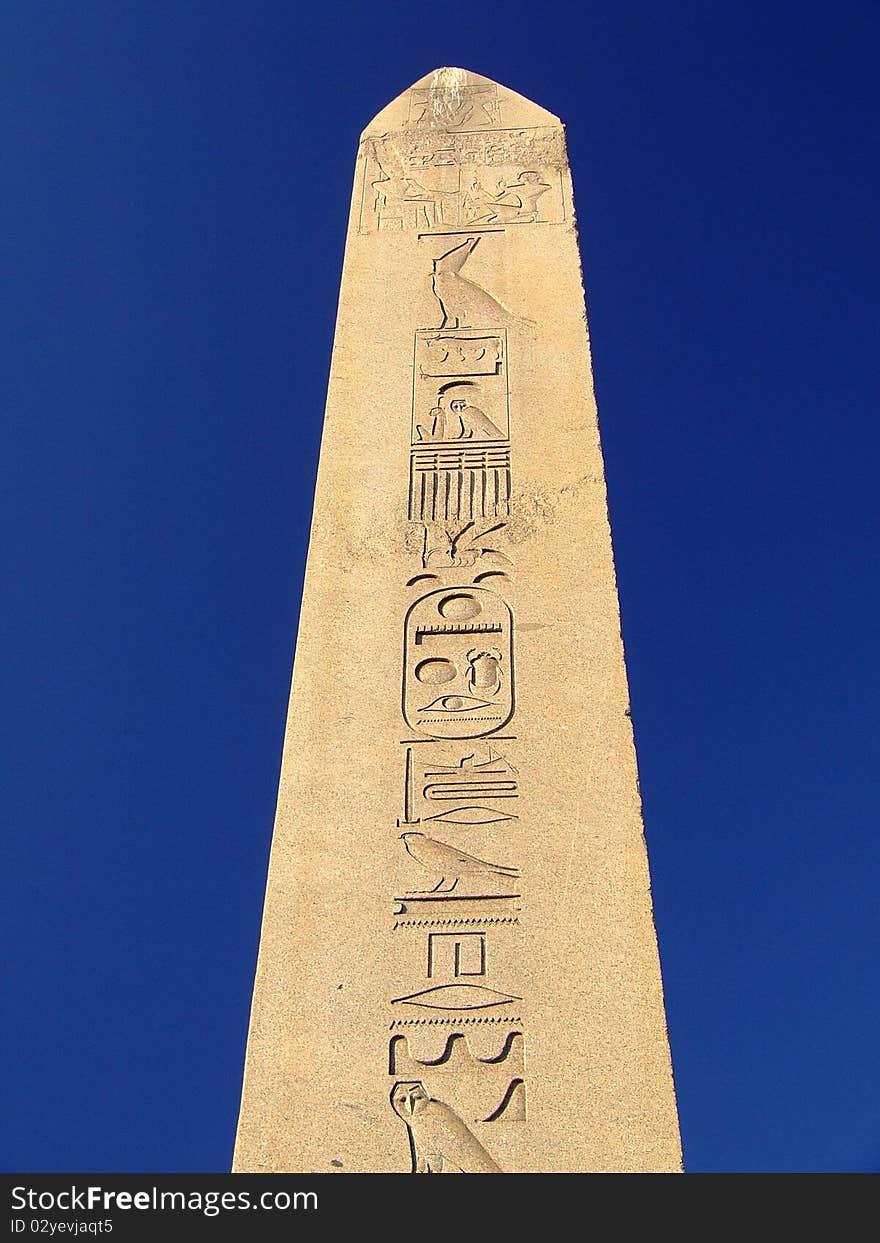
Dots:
pixel 176 183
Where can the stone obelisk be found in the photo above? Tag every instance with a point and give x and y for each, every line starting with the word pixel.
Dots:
pixel 458 968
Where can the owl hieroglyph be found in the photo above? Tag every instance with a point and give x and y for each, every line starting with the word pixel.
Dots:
pixel 439 1141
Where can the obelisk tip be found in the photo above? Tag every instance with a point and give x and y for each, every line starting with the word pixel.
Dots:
pixel 453 99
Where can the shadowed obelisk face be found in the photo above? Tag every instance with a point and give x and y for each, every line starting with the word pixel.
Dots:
pixel 458 971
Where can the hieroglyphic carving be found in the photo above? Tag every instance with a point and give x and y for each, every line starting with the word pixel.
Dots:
pixel 464 922
pixel 455 997
pixel 513 1104
pixel 470 814
pixel 473 766
pixel 475 776
pixel 451 486
pixel 464 303
pixel 456 1051
pixel 400 197
pixel 460 388
pixel 453 546
pixel 473 107
pixel 408 816
pixel 431 180
pixel 465 354
pixel 485 1089
pixel 539 147
pixel 455 417
pixel 440 1143
pixel 474 782
pixel 515 202
pixel 452 864
pixel 458 674
pixel 456 953
pixel 445 647
pixel 472 901
pixel 459 1021
pixel 460 457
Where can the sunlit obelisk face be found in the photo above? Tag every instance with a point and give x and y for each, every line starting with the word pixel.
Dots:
pixel 458 970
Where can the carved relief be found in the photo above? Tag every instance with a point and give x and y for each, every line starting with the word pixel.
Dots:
pixel 454 417
pixel 467 921
pixel 466 1020
pixel 460 460
pixel 408 815
pixel 459 387
pixel 440 1143
pixel 453 486
pixel 492 775
pixel 484 671
pixel 450 486
pixel 471 902
pixel 456 1055
pixel 452 864
pixel 475 783
pixel 537 146
pixel 461 644
pixel 515 202
pixel 464 303
pixel 402 197
pixel 471 107
pixel 513 1104
pixel 456 954
pixel 454 185
pixel 467 354
pixel 471 815
pixel 482 1089
pixel 455 997
pixel 452 790
pixel 431 181
pixel 457 547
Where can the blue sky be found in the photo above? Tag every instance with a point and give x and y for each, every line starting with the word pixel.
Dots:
pixel 177 180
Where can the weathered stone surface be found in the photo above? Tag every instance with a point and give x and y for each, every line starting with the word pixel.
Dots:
pixel 458 968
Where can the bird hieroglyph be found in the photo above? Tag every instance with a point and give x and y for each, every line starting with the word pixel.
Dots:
pixel 440 1143
pixel 463 302
pixel 452 864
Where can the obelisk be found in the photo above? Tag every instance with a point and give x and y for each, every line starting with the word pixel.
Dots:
pixel 458 968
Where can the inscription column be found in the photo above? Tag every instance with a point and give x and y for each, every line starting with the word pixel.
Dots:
pixel 458 971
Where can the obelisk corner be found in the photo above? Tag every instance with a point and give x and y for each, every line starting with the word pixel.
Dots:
pixel 452 100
